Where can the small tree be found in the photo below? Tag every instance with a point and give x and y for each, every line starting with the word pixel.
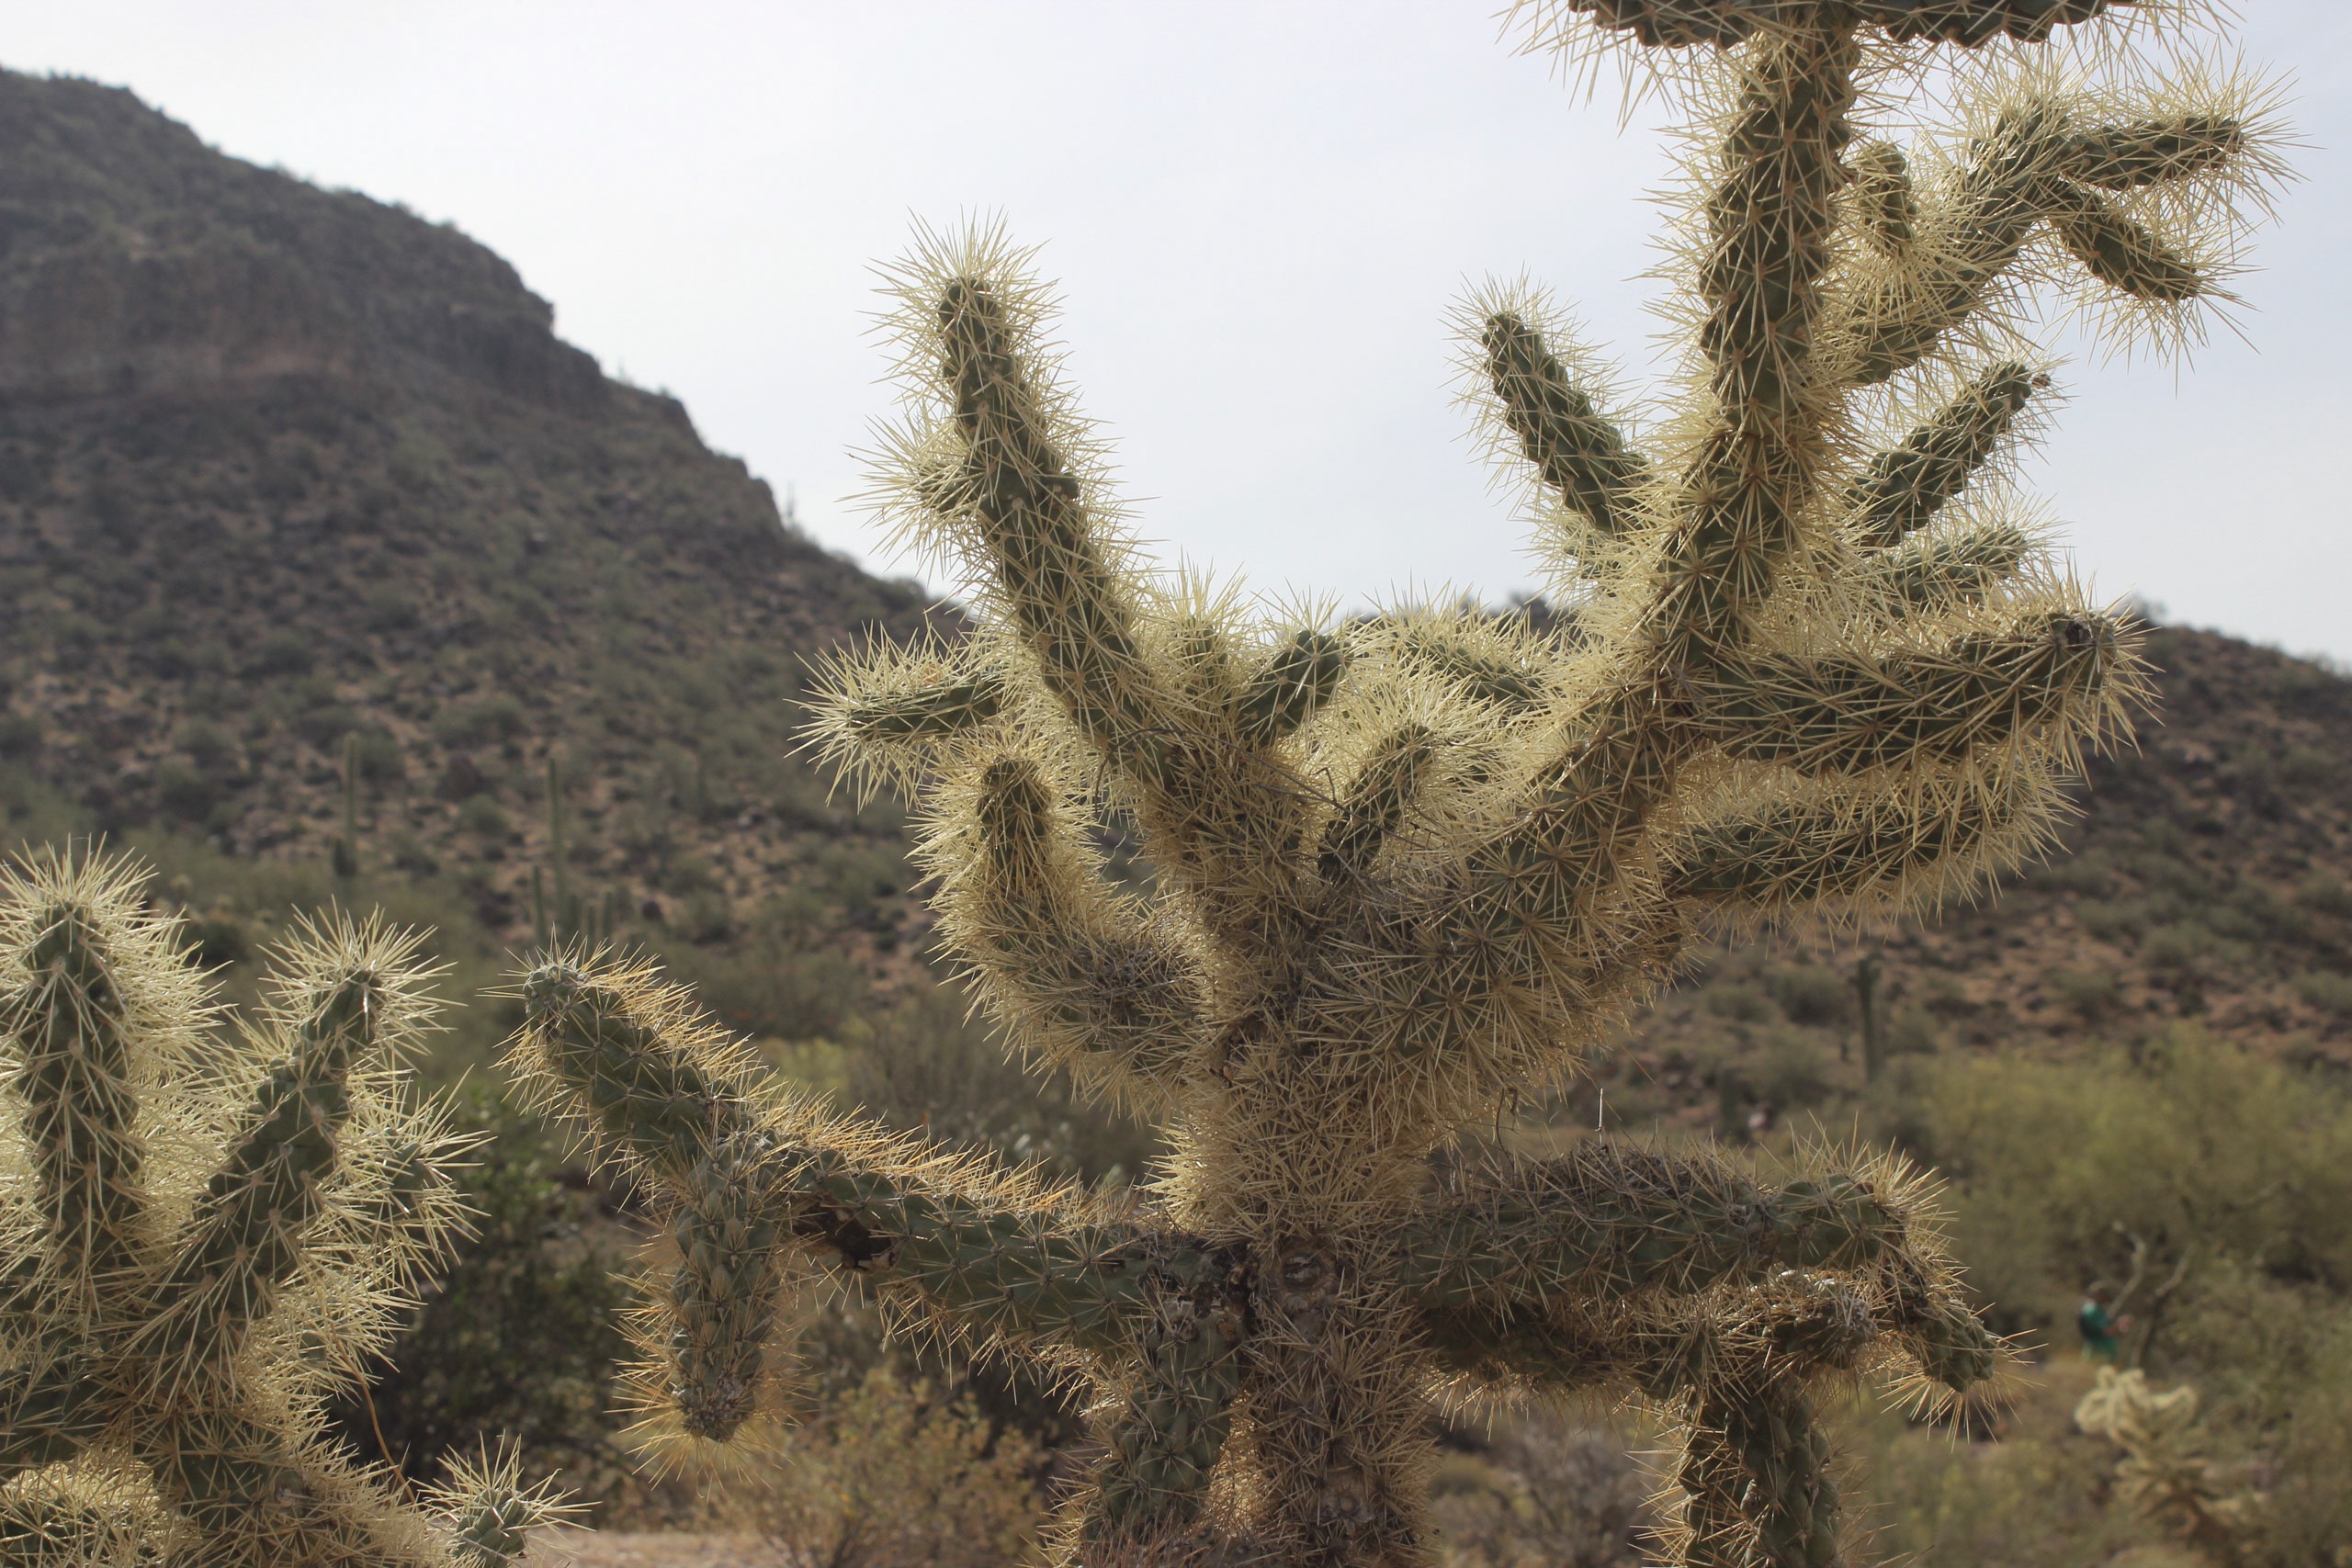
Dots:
pixel 203 1238
pixel 1405 870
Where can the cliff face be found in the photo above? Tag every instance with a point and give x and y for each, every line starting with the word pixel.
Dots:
pixel 281 467
pixel 133 259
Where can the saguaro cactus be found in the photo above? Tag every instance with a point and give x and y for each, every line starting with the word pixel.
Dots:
pixel 1404 869
pixel 205 1237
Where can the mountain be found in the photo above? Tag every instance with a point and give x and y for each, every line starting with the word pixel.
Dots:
pixel 292 480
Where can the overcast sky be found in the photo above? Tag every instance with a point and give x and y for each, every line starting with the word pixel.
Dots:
pixel 1257 215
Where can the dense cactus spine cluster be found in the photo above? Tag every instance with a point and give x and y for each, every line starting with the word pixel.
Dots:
pixel 1403 870
pixel 207 1238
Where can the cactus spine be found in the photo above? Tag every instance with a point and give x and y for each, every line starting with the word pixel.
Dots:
pixel 1405 871
pixel 211 1238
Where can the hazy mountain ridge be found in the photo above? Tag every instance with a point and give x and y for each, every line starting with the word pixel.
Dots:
pixel 279 465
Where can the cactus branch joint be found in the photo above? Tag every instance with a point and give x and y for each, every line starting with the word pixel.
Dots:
pixel 1813 654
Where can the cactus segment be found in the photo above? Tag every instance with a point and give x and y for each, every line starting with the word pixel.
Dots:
pixel 1286 690
pixel 1375 803
pixel 2121 253
pixel 650 1096
pixel 1901 490
pixel 1166 1440
pixel 2049 676
pixel 1770 217
pixel 1788 854
pixel 1083 975
pixel 731 1237
pixel 250 1225
pixel 81 1103
pixel 1608 1221
pixel 952 708
pixel 1471 666
pixel 173 1426
pixel 1053 572
pixel 2151 152
pixel 1884 196
pixel 492 1513
pixel 1937 570
pixel 1580 453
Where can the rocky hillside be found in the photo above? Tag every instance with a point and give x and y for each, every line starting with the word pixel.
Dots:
pixel 288 477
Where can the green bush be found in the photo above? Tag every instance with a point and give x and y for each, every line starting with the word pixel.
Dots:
pixel 2327 990
pixel 1813 995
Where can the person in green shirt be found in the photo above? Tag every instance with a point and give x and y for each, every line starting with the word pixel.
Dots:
pixel 2102 1331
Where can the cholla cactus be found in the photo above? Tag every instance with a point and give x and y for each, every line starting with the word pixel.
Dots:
pixel 205 1236
pixel 1404 870
pixel 2163 1476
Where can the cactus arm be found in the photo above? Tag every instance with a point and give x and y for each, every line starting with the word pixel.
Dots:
pixel 67 1024
pixel 1783 856
pixel 2120 251
pixel 259 1498
pixel 1941 569
pixel 1374 804
pixel 1886 203
pixel 731 1236
pixel 1166 1438
pixel 1607 1222
pixel 248 1233
pixel 1287 688
pixel 1014 1262
pixel 1054 570
pixel 1080 975
pixel 1754 1472
pixel 1471 663
pixel 2055 674
pixel 2130 153
pixel 1770 219
pixel 2033 166
pixel 1580 455
pixel 1901 490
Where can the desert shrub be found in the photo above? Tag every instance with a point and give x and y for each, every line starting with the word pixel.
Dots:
pixel 481 815
pixel 1789 1069
pixel 1540 1489
pixel 2209 1157
pixel 2328 895
pixel 184 790
pixel 378 755
pixel 893 1476
pixel 2326 990
pixel 2089 994
pixel 1738 1001
pixel 1813 995
pixel 285 652
pixel 485 723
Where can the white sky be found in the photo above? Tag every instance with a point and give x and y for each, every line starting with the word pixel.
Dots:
pixel 1258 214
